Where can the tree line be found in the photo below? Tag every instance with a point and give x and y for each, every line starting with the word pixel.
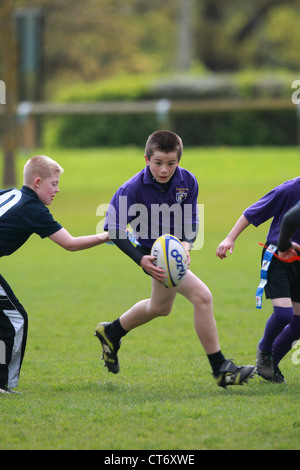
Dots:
pixel 94 39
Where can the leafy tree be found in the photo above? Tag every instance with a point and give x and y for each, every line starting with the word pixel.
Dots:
pixel 234 35
pixel 89 40
pixel 92 39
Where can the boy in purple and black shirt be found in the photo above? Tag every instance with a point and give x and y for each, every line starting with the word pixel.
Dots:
pixel 162 198
pixel 282 284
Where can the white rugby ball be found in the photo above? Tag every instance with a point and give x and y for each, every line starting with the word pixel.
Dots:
pixel 171 257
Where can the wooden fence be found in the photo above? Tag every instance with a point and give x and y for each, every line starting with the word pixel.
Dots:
pixel 28 113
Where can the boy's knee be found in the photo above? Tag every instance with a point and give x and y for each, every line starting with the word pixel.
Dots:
pixel 207 297
pixel 203 296
pixel 161 311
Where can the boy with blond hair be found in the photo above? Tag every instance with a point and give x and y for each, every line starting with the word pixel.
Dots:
pixel 22 213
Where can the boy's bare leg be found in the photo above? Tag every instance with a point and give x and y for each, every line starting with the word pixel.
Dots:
pixel 225 372
pixel 205 325
pixel 159 304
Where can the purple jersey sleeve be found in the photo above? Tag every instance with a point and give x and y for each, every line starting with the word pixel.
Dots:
pixel 274 205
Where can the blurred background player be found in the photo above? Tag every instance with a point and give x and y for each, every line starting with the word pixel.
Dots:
pixel 288 250
pixel 281 283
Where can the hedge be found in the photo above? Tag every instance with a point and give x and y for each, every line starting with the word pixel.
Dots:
pixel 215 128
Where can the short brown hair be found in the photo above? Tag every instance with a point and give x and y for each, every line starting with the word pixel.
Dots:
pixel 165 141
pixel 40 166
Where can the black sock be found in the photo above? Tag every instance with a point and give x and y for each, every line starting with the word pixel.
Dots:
pixel 216 360
pixel 115 331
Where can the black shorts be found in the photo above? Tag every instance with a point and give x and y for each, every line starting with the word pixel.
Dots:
pixel 283 280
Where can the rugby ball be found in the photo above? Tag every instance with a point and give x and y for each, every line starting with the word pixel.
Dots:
pixel 171 257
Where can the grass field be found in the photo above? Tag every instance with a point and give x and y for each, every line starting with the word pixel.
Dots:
pixel 164 396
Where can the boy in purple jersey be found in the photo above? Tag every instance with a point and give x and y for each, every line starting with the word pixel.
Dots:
pixel 282 281
pixel 22 213
pixel 162 184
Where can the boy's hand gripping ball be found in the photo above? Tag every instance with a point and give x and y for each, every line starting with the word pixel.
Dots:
pixel 171 257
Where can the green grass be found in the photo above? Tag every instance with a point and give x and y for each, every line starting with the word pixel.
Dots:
pixel 164 396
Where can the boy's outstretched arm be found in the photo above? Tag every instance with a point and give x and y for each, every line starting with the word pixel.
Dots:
pixel 63 238
pixel 228 242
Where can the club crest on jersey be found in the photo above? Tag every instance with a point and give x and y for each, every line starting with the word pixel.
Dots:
pixel 181 195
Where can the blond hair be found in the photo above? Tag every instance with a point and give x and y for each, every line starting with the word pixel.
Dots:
pixel 40 166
